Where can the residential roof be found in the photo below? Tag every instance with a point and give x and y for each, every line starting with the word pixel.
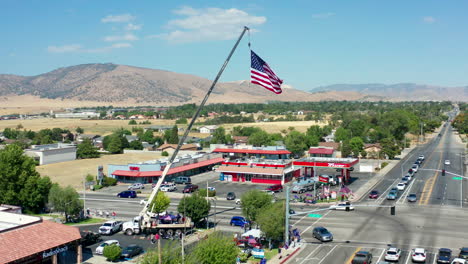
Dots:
pixel 334 145
pixel 240 139
pixel 251 170
pixel 376 145
pixel 171 171
pixel 174 146
pixel 324 151
pixel 252 151
pixel 209 127
pixel 35 238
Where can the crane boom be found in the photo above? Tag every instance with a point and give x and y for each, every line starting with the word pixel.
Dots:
pixel 144 211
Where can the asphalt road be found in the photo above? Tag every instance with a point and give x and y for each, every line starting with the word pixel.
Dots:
pixel 436 220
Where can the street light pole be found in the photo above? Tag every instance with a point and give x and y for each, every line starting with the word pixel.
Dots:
pixel 286 229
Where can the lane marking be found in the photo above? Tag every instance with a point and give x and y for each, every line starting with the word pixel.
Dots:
pixel 409 256
pixel 315 222
pixel 352 256
pixel 327 254
pixel 381 255
pixel 307 258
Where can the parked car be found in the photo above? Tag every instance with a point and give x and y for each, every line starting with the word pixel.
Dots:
pixel 100 248
pixel 412 197
pixel 463 253
pixel 190 188
pixel 183 180
pixel 89 238
pixel 393 254
pixel 322 234
pixel 458 261
pixel 418 255
pixel 136 186
pixel 342 206
pixel 275 188
pixel 444 256
pixel 168 187
pixel 131 251
pixel 447 162
pixel 238 221
pixel 127 194
pixel 374 194
pixel 392 195
pixel 362 257
pixel 230 196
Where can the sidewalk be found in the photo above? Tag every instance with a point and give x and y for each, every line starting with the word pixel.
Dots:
pixel 287 254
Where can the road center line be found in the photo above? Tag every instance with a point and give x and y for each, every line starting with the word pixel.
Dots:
pixel 307 258
pixel 315 222
pixel 328 254
pixel 351 257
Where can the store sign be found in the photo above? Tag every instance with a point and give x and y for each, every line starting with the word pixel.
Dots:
pixel 134 168
pixel 323 179
pixel 54 252
pixel 336 165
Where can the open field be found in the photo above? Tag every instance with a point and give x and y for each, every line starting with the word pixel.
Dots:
pixel 73 172
pixel 101 127
pixel 277 127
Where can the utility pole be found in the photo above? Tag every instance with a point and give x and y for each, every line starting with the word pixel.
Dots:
pixel 207 217
pixel 84 195
pixel 286 229
pixel 159 250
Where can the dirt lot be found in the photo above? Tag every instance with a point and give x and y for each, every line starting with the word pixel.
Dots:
pixel 101 127
pixel 73 172
pixel 276 127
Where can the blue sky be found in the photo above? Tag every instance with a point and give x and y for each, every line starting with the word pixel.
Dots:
pixel 307 43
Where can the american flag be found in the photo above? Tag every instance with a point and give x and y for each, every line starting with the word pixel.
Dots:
pixel 263 75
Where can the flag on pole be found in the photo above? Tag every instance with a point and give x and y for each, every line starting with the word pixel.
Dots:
pixel 263 75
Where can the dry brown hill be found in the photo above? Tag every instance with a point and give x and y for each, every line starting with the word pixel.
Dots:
pixel 116 84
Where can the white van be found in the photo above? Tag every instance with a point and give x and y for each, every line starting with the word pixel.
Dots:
pixel 168 187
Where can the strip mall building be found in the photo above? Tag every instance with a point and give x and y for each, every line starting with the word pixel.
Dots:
pixel 150 171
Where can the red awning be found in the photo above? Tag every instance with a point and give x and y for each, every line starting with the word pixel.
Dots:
pixel 324 151
pixel 252 151
pixel 171 171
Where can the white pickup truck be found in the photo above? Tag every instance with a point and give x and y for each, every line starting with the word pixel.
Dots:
pixel 110 227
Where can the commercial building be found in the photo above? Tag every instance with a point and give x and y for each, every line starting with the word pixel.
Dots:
pixel 52 153
pixel 150 171
pixel 81 115
pixel 29 239
pixel 343 165
pixel 249 152
pixel 258 171
pixel 321 152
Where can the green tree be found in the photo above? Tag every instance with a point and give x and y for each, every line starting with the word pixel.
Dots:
pixel 195 206
pixel 147 136
pixel 296 142
pixel 132 122
pixel 115 144
pixel 356 145
pixel 271 221
pixel 135 144
pixel 346 149
pixel 170 254
pixel 165 154
pixel 342 134
pixel 172 136
pixel 79 130
pixel 112 252
pixel 216 249
pixel 219 136
pixel 389 148
pixel 357 127
pixel 181 121
pixel 65 200
pixel 160 203
pixel 260 138
pixel 253 202
pixel 20 183
pixel 86 150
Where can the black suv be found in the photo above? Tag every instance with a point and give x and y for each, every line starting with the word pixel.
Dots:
pixel 230 196
pixel 463 253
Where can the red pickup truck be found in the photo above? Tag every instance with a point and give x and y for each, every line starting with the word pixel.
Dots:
pixel 275 188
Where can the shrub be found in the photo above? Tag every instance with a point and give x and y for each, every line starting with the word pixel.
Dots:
pixel 165 154
pixel 112 252
pixel 383 165
pixel 210 193
pixel 97 187
pixel 132 122
pixel 108 181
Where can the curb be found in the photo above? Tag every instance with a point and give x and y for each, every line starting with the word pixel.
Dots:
pixel 290 255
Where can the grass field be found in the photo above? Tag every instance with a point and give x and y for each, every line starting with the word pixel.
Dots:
pixel 277 127
pixel 73 172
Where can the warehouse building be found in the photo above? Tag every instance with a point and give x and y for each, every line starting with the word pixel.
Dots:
pixel 52 153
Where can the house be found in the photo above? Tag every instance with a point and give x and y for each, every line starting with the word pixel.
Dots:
pixel 331 137
pixel 2 137
pixel 81 137
pixel 334 145
pixel 131 138
pixel 99 142
pixel 120 117
pixel 159 128
pixel 147 146
pixel 372 150
pixel 321 152
pixel 240 140
pixel 208 129
pixel 52 153
pixel 165 147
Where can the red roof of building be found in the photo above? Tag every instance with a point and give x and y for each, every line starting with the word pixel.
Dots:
pixel 252 151
pixel 324 151
pixel 35 238
pixel 171 171
pixel 251 170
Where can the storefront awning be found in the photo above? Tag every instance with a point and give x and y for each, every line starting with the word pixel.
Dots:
pixel 253 151
pixel 171 171
pixel 251 170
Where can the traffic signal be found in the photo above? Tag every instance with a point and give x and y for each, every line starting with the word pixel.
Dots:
pixel 392 210
pixel 443 172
